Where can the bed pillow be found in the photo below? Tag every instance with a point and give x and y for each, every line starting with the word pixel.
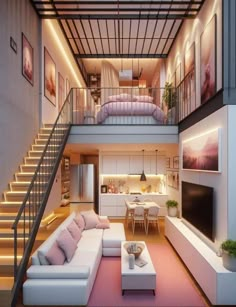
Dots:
pixel 79 221
pixel 144 98
pixel 67 244
pixel 75 231
pixel 90 218
pixel 55 255
pixel 113 98
pixel 127 97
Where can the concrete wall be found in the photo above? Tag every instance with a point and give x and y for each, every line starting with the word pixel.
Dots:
pixel 19 100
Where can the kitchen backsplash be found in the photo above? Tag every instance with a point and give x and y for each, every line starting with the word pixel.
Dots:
pixel 129 184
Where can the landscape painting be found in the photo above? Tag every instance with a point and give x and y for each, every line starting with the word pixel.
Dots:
pixel 208 61
pixel 201 153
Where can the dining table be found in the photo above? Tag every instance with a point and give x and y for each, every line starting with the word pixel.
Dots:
pixel 131 205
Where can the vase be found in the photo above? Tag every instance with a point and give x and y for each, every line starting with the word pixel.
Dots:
pixel 131 261
pixel 172 211
pixel 229 262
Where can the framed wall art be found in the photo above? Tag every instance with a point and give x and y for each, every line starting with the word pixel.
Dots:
pixel 202 152
pixel 61 91
pixel 176 162
pixel 208 61
pixel 167 162
pixel 189 80
pixel 27 60
pixel 49 77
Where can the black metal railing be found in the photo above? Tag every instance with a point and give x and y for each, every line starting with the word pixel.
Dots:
pixel 33 206
pixel 129 105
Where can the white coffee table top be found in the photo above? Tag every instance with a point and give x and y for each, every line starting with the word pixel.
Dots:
pixel 147 269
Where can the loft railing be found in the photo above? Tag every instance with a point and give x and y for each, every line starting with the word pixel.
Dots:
pixel 125 105
pixel 31 211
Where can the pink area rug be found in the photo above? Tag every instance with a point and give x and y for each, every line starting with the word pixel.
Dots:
pixel 174 286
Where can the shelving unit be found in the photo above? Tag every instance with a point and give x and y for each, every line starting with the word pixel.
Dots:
pixel 65 181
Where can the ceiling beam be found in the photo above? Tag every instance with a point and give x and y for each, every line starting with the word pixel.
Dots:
pixel 98 2
pixel 115 16
pixel 115 56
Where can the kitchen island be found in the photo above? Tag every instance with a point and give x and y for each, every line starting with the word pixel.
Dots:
pixel 113 205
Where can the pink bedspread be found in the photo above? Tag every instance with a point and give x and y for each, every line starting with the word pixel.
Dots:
pixel 130 108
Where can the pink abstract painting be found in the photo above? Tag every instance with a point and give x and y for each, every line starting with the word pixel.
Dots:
pixel 202 152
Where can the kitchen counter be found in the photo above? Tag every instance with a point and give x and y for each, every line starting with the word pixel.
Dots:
pixel 133 194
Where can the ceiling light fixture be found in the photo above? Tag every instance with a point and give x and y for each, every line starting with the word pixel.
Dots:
pixel 143 176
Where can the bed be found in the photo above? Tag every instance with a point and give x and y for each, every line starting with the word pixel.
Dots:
pixel 127 109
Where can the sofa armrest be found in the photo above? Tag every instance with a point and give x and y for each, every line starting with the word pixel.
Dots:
pixel 58 272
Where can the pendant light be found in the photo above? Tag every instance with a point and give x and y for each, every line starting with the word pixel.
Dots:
pixel 143 176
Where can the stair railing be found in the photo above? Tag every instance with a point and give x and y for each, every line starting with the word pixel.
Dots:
pixel 31 211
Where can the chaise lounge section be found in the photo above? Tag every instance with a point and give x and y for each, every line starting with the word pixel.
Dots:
pixel 71 283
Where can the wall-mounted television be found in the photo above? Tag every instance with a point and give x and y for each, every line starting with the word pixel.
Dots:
pixel 197 207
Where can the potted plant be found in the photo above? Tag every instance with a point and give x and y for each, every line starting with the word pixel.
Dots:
pixel 172 207
pixel 229 254
pixel 169 96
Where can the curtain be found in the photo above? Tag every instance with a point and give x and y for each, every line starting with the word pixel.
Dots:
pixel 109 81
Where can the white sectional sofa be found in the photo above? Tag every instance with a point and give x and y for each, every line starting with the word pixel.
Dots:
pixel 71 283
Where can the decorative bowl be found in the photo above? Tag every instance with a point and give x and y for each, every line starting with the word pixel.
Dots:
pixel 135 248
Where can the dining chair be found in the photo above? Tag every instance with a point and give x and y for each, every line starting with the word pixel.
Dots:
pixel 128 215
pixel 138 217
pixel 152 217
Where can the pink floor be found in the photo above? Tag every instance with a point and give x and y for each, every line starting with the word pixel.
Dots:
pixel 174 286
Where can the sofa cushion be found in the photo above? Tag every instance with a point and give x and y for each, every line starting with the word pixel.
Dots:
pixel 79 221
pixel 103 225
pixel 55 255
pixel 58 271
pixel 113 236
pixel 67 244
pixel 75 231
pixel 90 219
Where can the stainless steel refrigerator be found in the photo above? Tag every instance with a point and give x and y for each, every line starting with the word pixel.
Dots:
pixel 82 184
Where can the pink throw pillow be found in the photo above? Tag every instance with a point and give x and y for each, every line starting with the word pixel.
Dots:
pixel 90 218
pixel 75 231
pixel 79 221
pixel 55 255
pixel 103 225
pixel 67 244
pixel 144 98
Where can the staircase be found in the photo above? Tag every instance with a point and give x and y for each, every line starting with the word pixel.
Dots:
pixel 9 207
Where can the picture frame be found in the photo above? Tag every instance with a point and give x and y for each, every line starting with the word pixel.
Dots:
pixel 176 162
pixel 167 162
pixel 49 77
pixel 27 60
pixel 208 61
pixel 67 86
pixel 178 75
pixel 189 81
pixel 61 91
pixel 202 152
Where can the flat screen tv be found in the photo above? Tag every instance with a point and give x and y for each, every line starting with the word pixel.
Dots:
pixel 197 207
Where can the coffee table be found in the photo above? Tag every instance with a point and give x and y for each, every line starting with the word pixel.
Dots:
pixel 139 278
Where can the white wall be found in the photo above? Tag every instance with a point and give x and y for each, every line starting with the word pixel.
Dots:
pixel 19 100
pixel 54 41
pixel 191 32
pixel 219 181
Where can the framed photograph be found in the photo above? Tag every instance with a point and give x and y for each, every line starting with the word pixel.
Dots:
pixel 169 178
pixel 202 152
pixel 67 86
pixel 27 60
pixel 176 162
pixel 49 77
pixel 178 75
pixel 167 162
pixel 175 180
pixel 61 91
pixel 208 61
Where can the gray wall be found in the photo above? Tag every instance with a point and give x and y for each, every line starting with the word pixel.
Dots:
pixel 19 100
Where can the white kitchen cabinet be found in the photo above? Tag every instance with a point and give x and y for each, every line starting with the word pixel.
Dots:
pixel 122 164
pixel 136 164
pixel 161 165
pixel 108 165
pixel 107 205
pixel 150 165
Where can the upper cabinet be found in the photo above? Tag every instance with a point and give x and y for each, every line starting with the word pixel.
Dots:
pixel 131 164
